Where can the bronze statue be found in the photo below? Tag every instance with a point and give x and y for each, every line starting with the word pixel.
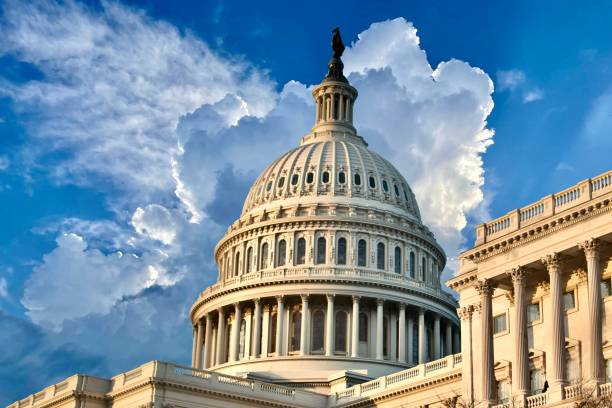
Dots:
pixel 337 44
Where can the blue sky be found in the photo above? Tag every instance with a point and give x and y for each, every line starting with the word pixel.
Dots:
pixel 130 133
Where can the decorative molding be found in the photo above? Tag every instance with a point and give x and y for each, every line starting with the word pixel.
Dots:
pixel 590 247
pixel 484 287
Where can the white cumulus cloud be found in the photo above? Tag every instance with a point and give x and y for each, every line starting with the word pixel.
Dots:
pixel 156 222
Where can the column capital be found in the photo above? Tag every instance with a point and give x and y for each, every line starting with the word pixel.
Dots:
pixel 380 302
pixel 279 299
pixel 402 306
pixel 356 298
pixel 236 305
pixel 590 247
pixel 257 301
pixel 552 261
pixel 305 297
pixel 518 275
pixel 330 297
pixel 208 317
pixel 484 287
pixel 465 313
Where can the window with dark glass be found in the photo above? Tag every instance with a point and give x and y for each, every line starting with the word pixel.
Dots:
pixel 237 264
pixel 385 186
pixel 606 287
pixel 533 312
pixel 341 251
pixel 272 333
pixel 263 264
pixel 325 177
pixel 281 182
pixel 301 252
pixel 363 327
pixel 412 264
pixel 357 179
pixel 396 190
pixel 249 259
pixel 321 248
pixel 398 260
pixel 423 266
pixel 342 177
pixel 380 256
pixel 340 334
pixel 499 323
pixel 294 179
pixel 405 195
pixel 385 337
pixel 318 330
pixel 269 186
pixel 361 253
pixel 569 301
pixel 282 253
pixel 372 182
pixel 310 177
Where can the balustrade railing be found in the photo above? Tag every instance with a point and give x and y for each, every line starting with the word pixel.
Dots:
pixel 605 389
pixel 537 400
pixel 549 205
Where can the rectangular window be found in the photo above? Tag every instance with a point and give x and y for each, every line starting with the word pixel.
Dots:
pixel 606 287
pixel 533 312
pixel 609 370
pixel 499 324
pixel 503 396
pixel 537 382
pixel 569 301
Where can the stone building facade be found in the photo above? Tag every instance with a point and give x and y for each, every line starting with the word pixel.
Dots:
pixel 329 295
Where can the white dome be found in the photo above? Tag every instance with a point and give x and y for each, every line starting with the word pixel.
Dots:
pixel 330 169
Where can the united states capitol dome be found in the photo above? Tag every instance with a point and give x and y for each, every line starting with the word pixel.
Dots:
pixel 328 268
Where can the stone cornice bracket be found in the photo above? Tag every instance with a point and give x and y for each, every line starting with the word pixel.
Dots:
pixel 484 287
pixel 590 248
pixel 465 313
pixel 552 261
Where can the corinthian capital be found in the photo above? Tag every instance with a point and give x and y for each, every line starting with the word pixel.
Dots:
pixel 465 313
pixel 551 261
pixel 590 247
pixel 484 287
pixel 517 274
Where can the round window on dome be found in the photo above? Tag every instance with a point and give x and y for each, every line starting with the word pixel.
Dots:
pixel 342 177
pixel 281 182
pixel 310 177
pixel 294 179
pixel 357 179
pixel 269 186
pixel 396 190
pixel 372 182
pixel 325 177
pixel 385 186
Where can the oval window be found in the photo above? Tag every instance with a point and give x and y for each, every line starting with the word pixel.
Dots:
pixel 281 182
pixel 341 177
pixel 309 178
pixel 396 190
pixel 372 182
pixel 325 177
pixel 357 179
pixel 294 179
pixel 385 186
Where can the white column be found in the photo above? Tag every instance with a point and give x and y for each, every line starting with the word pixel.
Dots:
pixel 235 335
pixel 448 339
pixel 410 340
pixel 437 353
pixel 318 109
pixel 392 337
pixel 220 336
pixel 485 289
pixel 467 366
pixel 379 329
pixel 199 335
pixel 422 338
pixel 280 319
pixel 194 335
pixel 304 326
pixel 265 332
pixel 248 334
pixel 355 328
pixel 595 352
pixel 257 329
pixel 329 326
pixel 208 341
pixel 402 333
pixel 520 371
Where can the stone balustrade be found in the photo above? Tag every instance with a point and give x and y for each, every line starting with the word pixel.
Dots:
pixel 547 206
pixel 537 400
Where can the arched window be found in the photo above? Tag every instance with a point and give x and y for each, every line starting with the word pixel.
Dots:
pixel 405 194
pixel 249 259
pixel 281 182
pixel 372 182
pixel 398 260
pixel 321 248
pixel 342 177
pixel 318 331
pixel 396 190
pixel 363 327
pixel 272 332
pixel 242 344
pixel 423 268
pixel 295 331
pixel 357 179
pixel 412 264
pixel 385 186
pixel 325 177
pixel 385 337
pixel 263 264
pixel 340 332
pixel 269 186
pixel 282 253
pixel 341 251
pixel 294 179
pixel 361 252
pixel 380 256
pixel 301 252
pixel 228 334
pixel 237 264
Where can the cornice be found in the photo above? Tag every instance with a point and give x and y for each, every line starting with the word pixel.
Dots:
pixel 537 231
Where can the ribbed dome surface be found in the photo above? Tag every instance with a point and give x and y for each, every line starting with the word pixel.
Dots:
pixel 332 171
